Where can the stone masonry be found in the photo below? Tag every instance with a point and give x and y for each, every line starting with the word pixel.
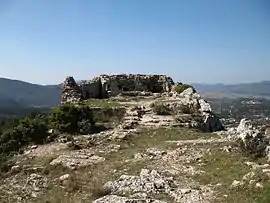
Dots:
pixel 106 86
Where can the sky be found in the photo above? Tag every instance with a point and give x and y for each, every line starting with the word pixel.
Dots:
pixel 205 41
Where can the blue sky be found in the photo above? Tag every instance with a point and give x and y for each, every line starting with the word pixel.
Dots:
pixel 209 41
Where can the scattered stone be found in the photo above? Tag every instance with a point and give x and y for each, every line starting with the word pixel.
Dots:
pixel 77 159
pixel 64 177
pixel 119 199
pixel 185 191
pixel 266 170
pixel 151 182
pixel 236 184
pixel 33 147
pixel 249 176
pixel 259 185
pixel 151 154
pixel 227 148
pixel 15 169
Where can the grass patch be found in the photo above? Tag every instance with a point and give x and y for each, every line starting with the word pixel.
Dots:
pixel 102 103
pixel 222 167
pixel 158 137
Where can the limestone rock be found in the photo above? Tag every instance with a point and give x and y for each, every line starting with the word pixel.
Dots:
pixel 245 130
pixel 200 111
pixel 64 177
pixel 149 182
pixel 236 184
pixel 259 185
pixel 151 154
pixel 249 176
pixel 77 159
pixel 253 141
pixel 119 199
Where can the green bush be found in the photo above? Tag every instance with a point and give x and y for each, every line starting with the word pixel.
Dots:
pixel 161 109
pixel 254 147
pixel 72 119
pixel 181 87
pixel 29 130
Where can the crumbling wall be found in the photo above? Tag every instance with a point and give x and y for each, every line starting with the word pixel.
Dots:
pixel 71 92
pixel 106 86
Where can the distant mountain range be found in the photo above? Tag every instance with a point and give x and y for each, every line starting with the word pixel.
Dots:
pixel 18 97
pixel 248 89
pixel 27 94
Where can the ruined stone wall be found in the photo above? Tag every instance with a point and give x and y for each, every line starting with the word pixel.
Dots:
pixel 112 85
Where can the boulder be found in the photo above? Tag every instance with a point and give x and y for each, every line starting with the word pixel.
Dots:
pixel 252 141
pixel 189 102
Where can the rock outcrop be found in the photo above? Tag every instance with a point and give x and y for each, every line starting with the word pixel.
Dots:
pixel 112 85
pixel 252 140
pixel 188 106
pixel 149 183
pixel 195 111
pixel 118 199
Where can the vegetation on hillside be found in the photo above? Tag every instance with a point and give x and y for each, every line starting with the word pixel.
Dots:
pixel 222 168
pixel 160 108
pixel 17 133
pixel 181 87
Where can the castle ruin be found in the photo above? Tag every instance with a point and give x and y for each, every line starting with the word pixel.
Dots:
pixel 106 86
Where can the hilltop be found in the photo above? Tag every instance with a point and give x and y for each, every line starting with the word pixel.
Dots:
pixel 147 139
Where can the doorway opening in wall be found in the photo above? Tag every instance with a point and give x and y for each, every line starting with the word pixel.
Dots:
pixel 87 95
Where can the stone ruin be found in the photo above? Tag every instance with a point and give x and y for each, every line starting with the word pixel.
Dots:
pixel 106 86
pixel 189 107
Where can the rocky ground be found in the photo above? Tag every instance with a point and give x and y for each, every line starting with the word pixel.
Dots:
pixel 147 158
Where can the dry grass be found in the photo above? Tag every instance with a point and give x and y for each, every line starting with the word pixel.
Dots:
pixel 86 184
pixel 222 167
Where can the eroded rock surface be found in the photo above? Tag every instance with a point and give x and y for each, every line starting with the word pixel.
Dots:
pixel 77 159
pixel 152 182
pixel 118 199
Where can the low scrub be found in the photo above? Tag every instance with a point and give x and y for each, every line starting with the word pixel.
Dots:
pixel 31 129
pixel 72 119
pixel 181 87
pixel 254 147
pixel 66 119
pixel 161 109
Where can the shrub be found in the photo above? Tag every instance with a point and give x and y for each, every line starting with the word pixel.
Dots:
pixel 28 130
pixel 161 109
pixel 254 146
pixel 31 129
pixel 85 126
pixel 181 87
pixel 186 109
pixel 72 119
